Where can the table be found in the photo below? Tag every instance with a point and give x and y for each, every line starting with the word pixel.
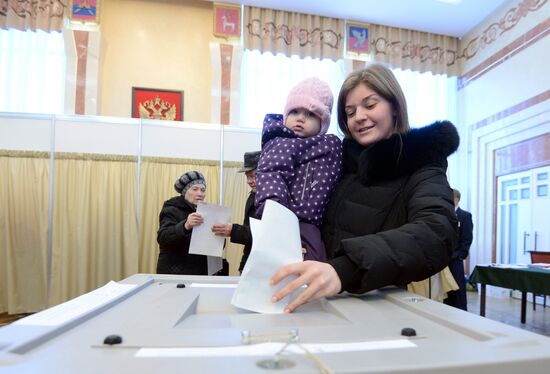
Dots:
pixel 524 279
pixel 186 324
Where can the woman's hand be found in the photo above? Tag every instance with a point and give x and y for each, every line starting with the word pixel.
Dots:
pixel 222 229
pixel 194 219
pixel 321 280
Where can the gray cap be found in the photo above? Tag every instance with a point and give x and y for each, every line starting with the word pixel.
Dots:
pixel 187 180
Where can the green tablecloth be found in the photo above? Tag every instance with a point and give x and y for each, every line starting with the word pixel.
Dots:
pixel 521 279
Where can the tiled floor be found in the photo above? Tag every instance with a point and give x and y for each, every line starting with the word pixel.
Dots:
pixel 508 311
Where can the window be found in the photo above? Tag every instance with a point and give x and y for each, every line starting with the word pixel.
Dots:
pixel 429 97
pixel 32 71
pixel 266 80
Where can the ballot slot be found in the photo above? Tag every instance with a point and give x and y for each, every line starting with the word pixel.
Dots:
pixel 212 309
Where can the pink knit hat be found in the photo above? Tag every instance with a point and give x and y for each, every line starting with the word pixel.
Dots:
pixel 314 95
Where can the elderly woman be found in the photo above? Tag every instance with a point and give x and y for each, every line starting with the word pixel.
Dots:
pixel 176 221
pixel 391 219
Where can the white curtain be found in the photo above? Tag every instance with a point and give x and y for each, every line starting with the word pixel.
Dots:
pixel 266 80
pixel 429 97
pixel 32 71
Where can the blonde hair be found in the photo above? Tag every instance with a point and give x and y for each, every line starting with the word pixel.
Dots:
pixel 381 80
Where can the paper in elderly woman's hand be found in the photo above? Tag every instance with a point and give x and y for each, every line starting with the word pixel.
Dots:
pixel 275 243
pixel 203 240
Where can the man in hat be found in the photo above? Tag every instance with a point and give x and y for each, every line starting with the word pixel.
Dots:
pixel 241 234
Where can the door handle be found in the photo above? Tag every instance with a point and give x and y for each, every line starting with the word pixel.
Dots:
pixel 525 237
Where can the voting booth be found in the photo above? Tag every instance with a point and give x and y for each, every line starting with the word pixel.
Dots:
pixel 186 324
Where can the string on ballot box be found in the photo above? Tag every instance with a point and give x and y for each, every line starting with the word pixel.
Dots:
pixel 290 339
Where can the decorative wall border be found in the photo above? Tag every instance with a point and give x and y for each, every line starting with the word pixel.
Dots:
pixel 293 34
pixel 537 33
pixel 510 19
pixel 45 15
pixel 512 110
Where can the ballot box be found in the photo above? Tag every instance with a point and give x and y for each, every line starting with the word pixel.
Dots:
pixel 186 324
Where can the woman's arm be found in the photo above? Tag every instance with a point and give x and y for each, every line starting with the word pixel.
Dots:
pixel 172 229
pixel 412 252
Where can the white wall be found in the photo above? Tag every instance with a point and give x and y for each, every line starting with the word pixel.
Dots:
pixel 500 107
pixel 121 136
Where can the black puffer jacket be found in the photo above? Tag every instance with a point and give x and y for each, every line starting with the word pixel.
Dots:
pixel 391 219
pixel 174 240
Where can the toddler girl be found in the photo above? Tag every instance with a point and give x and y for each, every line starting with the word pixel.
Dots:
pixel 299 164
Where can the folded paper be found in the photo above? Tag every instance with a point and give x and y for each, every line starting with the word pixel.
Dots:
pixel 203 240
pixel 276 242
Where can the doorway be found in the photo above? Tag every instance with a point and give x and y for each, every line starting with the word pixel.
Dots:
pixel 523 215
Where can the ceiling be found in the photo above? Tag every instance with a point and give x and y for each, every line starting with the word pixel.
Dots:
pixel 434 16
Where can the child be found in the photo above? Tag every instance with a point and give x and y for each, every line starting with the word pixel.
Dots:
pixel 300 165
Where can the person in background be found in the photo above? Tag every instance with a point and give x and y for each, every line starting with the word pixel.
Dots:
pixel 241 233
pixel 391 219
pixel 177 219
pixel 300 164
pixel 465 236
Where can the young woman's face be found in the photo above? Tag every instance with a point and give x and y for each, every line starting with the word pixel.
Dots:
pixel 303 122
pixel 370 116
pixel 195 193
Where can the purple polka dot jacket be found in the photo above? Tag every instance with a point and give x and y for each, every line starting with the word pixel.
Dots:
pixel 299 173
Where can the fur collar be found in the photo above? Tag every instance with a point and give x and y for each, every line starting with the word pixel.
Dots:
pixel 401 154
pixel 181 202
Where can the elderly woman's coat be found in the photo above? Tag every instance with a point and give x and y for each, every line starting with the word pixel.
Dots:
pixel 174 240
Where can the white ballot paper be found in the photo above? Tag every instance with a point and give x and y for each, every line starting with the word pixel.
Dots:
pixel 77 307
pixel 203 240
pixel 275 243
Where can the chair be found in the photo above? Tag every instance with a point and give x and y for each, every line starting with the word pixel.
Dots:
pixel 538 257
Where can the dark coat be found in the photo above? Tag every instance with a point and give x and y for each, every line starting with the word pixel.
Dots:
pixel 174 240
pixel 299 173
pixel 391 219
pixel 458 298
pixel 465 234
pixel 241 233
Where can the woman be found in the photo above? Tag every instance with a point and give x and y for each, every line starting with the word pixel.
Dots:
pixel 391 219
pixel 176 221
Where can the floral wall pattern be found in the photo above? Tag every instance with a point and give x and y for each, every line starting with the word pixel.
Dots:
pixel 45 15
